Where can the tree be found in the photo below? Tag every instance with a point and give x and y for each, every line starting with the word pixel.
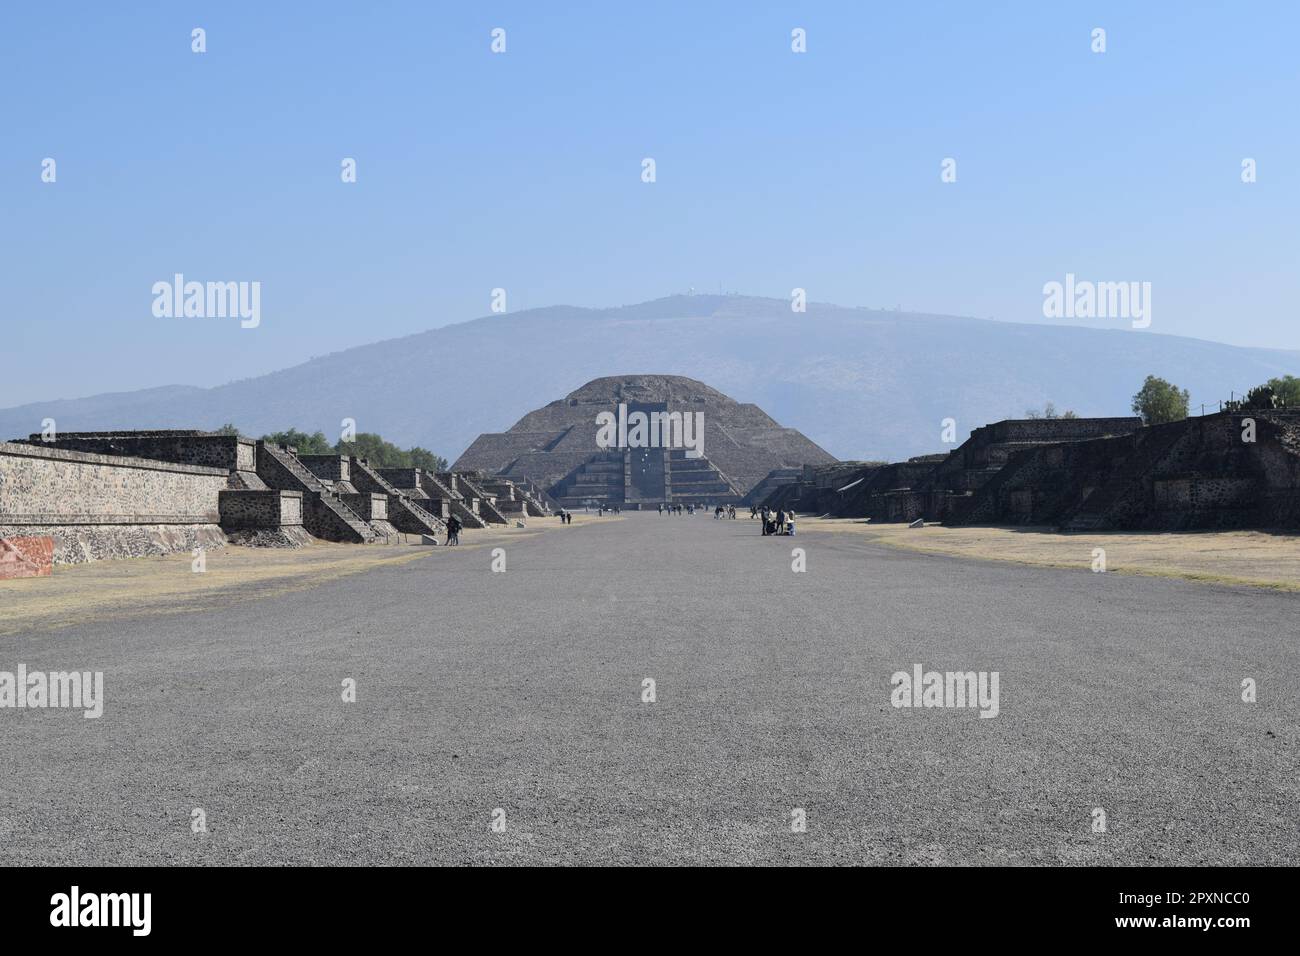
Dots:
pixel 226 429
pixel 313 444
pixel 1049 411
pixel 1287 390
pixel 373 448
pixel 423 458
pixel 1158 401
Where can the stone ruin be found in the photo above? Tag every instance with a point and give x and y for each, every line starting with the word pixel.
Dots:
pixel 131 493
pixel 84 496
pixel 554 450
pixel 1081 474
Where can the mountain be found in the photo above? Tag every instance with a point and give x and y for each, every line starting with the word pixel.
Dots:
pixel 862 383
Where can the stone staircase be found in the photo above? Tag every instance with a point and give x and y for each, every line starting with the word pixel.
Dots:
pixel 1123 495
pixel 324 514
pixel 404 513
pixel 487 509
pixel 599 480
pixel 463 507
pixel 698 481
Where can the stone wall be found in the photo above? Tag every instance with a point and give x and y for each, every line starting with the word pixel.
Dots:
pixel 1195 474
pixel 371 507
pixel 330 467
pixel 98 506
pixel 260 509
pixel 230 452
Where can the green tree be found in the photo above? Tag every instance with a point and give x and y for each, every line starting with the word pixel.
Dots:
pixel 226 429
pixel 367 445
pixel 423 458
pixel 313 444
pixel 1158 401
pixel 373 448
pixel 1287 390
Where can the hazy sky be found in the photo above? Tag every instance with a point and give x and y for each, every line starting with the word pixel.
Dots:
pixel 522 170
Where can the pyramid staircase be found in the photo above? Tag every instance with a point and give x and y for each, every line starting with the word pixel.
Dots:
pixel 404 513
pixel 1118 501
pixel 324 513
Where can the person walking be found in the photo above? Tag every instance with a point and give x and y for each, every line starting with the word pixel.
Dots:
pixel 453 530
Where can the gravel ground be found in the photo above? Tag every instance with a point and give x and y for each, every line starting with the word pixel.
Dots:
pixel 523 691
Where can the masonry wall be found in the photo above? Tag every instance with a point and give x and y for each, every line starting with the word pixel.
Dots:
pixel 185 447
pixel 260 509
pixel 329 467
pixel 97 506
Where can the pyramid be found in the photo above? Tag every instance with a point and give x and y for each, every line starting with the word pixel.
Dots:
pixel 559 447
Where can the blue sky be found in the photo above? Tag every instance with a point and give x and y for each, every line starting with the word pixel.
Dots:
pixel 522 170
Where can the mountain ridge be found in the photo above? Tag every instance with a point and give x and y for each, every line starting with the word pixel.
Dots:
pixel 862 383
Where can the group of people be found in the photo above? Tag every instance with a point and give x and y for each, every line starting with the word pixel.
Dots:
pixel 612 509
pixel 724 511
pixel 566 517
pixel 677 509
pixel 774 522
pixel 453 530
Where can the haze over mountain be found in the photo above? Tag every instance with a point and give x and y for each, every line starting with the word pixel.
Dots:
pixel 861 383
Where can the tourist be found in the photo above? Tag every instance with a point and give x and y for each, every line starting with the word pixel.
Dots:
pixel 661 509
pixel 453 530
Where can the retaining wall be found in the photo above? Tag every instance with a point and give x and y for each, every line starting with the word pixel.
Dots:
pixel 99 506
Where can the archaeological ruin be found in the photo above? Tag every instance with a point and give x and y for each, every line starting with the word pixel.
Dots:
pixel 73 497
pixel 558 449
pixel 97 495
pixel 1231 469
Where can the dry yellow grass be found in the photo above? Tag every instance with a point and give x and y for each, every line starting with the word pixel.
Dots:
pixel 1256 558
pixel 107 589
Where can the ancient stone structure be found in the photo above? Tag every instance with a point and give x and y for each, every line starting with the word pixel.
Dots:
pixel 87 495
pixel 931 487
pixel 100 506
pixel 349 476
pixel 512 498
pixel 482 504
pixel 557 447
pixel 1199 473
pixel 265 518
pixel 232 453
pixel 1083 475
